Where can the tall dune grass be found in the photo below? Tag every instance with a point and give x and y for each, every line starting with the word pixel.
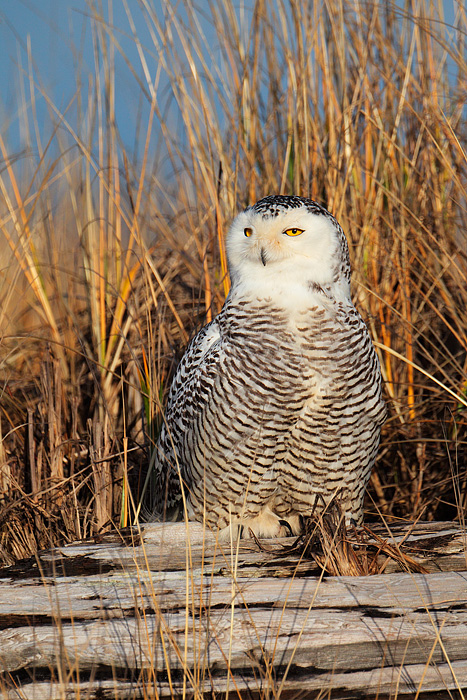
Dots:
pixel 109 264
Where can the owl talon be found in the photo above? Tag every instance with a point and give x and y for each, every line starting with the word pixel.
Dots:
pixel 286 524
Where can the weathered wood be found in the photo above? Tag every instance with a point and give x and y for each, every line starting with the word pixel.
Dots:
pixel 145 608
pixel 435 680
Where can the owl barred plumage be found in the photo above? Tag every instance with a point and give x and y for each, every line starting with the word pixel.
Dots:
pixel 278 399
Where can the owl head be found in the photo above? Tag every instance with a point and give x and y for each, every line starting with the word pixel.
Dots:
pixel 285 243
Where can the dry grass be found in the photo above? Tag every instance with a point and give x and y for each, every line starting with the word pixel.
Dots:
pixel 108 265
pixel 343 550
pixel 194 621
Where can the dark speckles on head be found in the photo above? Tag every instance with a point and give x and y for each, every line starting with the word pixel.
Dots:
pixel 276 204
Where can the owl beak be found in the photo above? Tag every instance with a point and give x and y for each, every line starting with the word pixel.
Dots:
pixel 263 257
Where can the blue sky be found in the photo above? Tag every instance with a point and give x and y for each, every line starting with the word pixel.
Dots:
pixel 60 37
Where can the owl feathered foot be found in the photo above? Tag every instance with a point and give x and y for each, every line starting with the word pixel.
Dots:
pixel 266 524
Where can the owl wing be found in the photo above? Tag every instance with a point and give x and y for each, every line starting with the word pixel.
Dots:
pixel 188 394
pixel 337 432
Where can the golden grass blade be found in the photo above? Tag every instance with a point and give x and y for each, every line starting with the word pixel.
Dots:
pixel 458 398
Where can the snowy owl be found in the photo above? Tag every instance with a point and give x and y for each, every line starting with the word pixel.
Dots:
pixel 276 406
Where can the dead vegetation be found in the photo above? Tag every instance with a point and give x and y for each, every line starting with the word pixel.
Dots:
pixel 108 266
pixel 122 616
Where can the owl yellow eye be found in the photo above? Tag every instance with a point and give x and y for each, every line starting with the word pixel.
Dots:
pixel 293 231
pixel 248 232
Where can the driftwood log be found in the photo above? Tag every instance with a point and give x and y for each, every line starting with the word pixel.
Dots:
pixel 142 613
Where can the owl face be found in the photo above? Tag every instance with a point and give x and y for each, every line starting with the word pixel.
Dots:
pixel 284 242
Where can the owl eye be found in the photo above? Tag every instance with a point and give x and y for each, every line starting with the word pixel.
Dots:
pixel 293 231
pixel 248 232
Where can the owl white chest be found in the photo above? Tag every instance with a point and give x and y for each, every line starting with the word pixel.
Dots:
pixel 298 346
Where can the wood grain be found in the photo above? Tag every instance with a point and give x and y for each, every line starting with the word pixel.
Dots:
pixel 165 614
